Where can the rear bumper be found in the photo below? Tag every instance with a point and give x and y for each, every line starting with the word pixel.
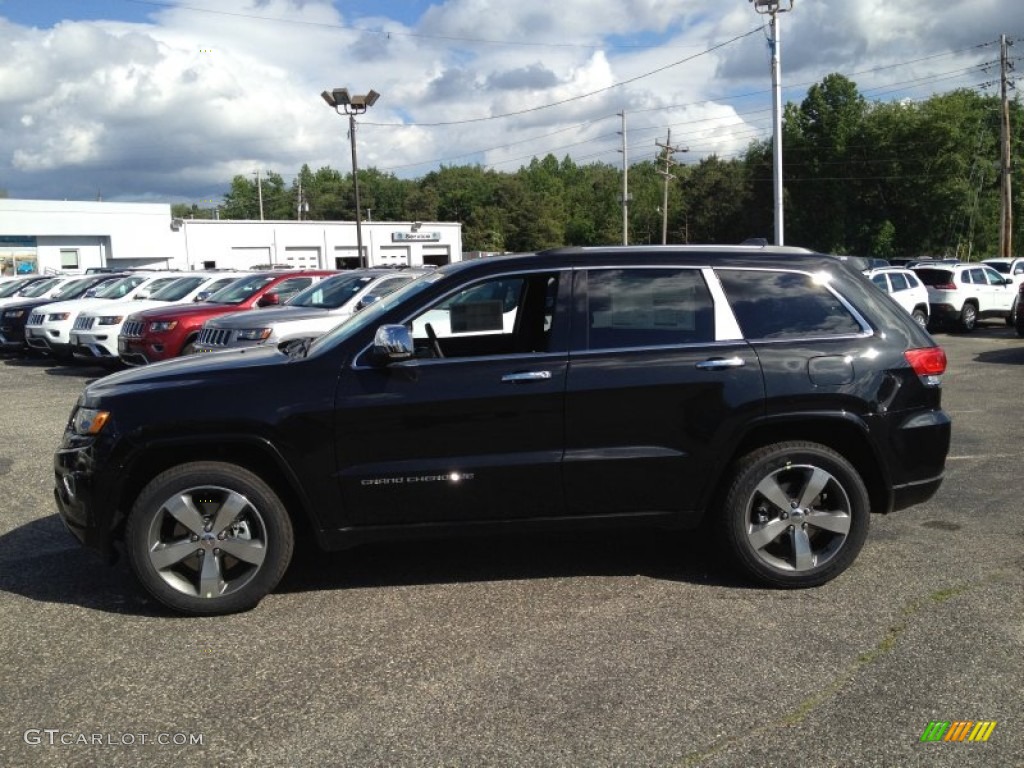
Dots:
pixel 921 442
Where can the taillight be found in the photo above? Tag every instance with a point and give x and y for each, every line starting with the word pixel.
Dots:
pixel 928 362
pixel 950 286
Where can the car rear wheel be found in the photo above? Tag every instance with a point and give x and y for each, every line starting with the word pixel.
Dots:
pixel 920 317
pixel 1011 319
pixel 968 317
pixel 795 514
pixel 209 538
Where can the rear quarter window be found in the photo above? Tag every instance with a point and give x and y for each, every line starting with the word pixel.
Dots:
pixel 785 305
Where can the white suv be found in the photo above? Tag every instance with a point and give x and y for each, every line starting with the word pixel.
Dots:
pixel 962 294
pixel 906 288
pixel 307 315
pixel 49 327
pixel 1013 269
pixel 95 330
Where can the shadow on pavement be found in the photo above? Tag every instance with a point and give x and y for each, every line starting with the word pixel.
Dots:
pixel 41 561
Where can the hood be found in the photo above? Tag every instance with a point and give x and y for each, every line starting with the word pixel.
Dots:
pixel 263 317
pixel 77 305
pixel 182 370
pixel 187 310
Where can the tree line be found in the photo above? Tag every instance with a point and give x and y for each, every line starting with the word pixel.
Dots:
pixel 884 179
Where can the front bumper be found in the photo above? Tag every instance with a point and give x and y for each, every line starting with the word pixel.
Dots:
pixel 47 340
pixel 142 351
pixel 94 345
pixel 85 512
pixel 12 339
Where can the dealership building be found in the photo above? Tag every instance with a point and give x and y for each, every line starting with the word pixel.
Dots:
pixel 74 236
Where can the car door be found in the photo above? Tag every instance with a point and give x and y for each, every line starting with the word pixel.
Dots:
pixel 1000 293
pixel 659 381
pixel 471 428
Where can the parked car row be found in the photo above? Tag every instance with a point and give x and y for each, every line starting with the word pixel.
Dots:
pixel 140 318
pixel 952 294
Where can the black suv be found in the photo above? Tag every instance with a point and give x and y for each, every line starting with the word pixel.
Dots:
pixel 775 393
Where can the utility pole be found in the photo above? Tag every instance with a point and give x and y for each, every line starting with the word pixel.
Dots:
pixel 1006 199
pixel 773 8
pixel 625 183
pixel 667 150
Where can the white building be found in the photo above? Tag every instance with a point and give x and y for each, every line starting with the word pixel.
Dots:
pixel 73 236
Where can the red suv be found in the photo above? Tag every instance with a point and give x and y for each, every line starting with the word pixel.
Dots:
pixel 166 332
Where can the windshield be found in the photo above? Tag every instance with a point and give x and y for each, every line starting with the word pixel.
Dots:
pixel 373 313
pixel 332 292
pixel 217 284
pixel 74 288
pixel 12 287
pixel 1000 266
pixel 119 288
pixel 179 289
pixel 38 289
pixel 240 290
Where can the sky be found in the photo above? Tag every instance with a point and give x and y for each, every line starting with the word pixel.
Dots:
pixel 168 100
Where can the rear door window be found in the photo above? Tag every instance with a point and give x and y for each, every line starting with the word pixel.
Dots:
pixel 899 282
pixel 647 308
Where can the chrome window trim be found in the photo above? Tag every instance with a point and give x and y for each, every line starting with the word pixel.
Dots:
pixel 727 329
pixel 866 330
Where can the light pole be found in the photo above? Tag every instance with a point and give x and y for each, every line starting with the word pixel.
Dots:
pixel 340 101
pixel 773 8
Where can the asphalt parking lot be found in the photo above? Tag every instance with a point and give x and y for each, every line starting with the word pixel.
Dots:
pixel 606 650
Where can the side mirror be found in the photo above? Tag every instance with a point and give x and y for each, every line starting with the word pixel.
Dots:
pixel 202 296
pixel 269 300
pixel 367 301
pixel 392 343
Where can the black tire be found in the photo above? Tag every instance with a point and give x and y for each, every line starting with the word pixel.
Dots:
pixel 189 348
pixel 209 538
pixel 795 514
pixel 920 317
pixel 968 318
pixel 1011 319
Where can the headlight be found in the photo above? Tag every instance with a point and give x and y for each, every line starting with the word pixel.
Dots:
pixel 163 326
pixel 109 319
pixel 254 334
pixel 57 316
pixel 89 421
pixel 13 313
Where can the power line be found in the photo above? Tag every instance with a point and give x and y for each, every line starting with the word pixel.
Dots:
pixel 571 98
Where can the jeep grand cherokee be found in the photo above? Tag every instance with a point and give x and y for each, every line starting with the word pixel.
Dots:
pixel 776 394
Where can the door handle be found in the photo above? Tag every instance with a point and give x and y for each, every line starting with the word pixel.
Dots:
pixel 527 376
pixel 720 363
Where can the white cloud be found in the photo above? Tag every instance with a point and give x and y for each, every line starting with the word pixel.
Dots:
pixel 176 107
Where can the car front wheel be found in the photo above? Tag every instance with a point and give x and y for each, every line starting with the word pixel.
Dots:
pixel 795 514
pixel 209 538
pixel 968 318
